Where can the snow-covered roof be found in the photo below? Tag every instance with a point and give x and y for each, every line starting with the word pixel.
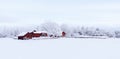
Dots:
pixel 22 34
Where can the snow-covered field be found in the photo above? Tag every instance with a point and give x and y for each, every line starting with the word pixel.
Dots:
pixel 62 48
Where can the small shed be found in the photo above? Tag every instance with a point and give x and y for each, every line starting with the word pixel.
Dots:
pixel 63 34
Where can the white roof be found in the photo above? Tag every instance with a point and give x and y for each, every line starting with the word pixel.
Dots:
pixel 22 34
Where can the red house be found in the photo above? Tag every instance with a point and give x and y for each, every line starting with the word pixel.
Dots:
pixel 63 34
pixel 34 34
pixel 31 35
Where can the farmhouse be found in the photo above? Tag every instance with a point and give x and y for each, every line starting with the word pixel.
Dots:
pixel 34 34
pixel 30 35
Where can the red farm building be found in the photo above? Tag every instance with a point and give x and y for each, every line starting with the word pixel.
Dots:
pixel 63 34
pixel 34 34
pixel 30 35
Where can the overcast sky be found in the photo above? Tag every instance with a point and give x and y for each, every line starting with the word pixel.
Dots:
pixel 105 12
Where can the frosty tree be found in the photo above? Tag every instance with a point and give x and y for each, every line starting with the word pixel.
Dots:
pixel 51 28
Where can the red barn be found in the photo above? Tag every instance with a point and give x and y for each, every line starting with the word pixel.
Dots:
pixel 34 34
pixel 31 35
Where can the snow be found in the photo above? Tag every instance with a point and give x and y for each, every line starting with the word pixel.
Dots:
pixel 41 32
pixel 22 34
pixel 61 48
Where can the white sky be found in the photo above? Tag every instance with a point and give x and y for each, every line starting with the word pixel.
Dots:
pixel 90 12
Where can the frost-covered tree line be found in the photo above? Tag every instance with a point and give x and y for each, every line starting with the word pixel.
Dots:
pixel 55 29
